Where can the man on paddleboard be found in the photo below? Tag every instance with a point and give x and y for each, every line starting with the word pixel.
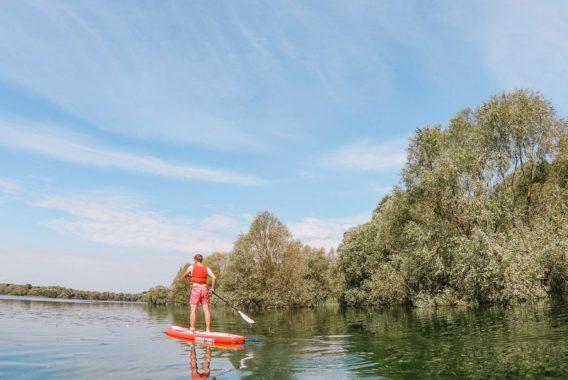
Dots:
pixel 199 292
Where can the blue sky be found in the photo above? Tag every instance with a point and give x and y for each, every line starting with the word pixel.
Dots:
pixel 136 133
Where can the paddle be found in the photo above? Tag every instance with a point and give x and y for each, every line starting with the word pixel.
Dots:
pixel 243 315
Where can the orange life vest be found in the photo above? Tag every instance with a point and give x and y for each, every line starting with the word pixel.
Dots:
pixel 199 274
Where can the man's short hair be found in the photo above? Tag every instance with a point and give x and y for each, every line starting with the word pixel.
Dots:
pixel 198 257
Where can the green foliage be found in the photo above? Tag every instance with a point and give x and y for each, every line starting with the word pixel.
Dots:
pixel 65 293
pixel 481 217
pixel 269 268
pixel 179 290
pixel 159 295
pixel 322 275
pixel 218 262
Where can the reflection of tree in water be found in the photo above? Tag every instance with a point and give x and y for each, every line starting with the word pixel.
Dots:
pixel 158 312
pixel 287 343
pixel 523 341
pixel 322 320
pixel 179 314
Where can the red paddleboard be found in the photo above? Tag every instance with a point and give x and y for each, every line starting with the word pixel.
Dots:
pixel 204 337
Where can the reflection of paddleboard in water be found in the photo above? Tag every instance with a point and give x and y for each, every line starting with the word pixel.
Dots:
pixel 204 337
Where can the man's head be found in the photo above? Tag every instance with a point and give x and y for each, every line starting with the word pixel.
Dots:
pixel 198 258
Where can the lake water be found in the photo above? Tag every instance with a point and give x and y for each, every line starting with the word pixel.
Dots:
pixel 94 340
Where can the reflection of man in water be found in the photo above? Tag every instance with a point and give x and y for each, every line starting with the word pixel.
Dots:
pixel 195 374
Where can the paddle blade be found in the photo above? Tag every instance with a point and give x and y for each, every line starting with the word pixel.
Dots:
pixel 245 317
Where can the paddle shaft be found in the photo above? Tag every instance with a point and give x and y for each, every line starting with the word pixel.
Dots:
pixel 243 315
pixel 224 300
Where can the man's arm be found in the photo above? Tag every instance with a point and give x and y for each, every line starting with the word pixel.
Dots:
pixel 213 279
pixel 188 271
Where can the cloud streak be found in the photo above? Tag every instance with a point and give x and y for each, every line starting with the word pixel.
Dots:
pixel 324 233
pixel 74 55
pixel 10 186
pixel 364 156
pixel 63 147
pixel 224 77
pixel 118 223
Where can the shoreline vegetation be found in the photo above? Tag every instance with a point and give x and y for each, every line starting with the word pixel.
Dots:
pixel 60 292
pixel 479 217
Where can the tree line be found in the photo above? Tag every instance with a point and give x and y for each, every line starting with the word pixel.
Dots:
pixel 67 293
pixel 478 217
pixel 269 268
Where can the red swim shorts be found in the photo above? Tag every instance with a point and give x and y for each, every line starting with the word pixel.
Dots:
pixel 199 295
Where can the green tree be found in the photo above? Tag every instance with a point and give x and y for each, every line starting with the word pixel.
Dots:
pixel 179 289
pixel 218 262
pixel 477 195
pixel 158 295
pixel 269 268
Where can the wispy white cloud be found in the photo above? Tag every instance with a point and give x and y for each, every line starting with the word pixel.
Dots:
pixel 365 156
pixel 324 233
pixel 10 185
pixel 53 143
pixel 118 223
pixel 184 72
pixel 146 74
pixel 122 220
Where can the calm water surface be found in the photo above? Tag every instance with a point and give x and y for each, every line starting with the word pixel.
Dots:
pixel 69 339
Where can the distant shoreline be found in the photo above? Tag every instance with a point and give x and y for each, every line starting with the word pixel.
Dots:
pixel 59 292
pixel 63 300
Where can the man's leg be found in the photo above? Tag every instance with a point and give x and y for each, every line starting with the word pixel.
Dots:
pixel 192 317
pixel 207 317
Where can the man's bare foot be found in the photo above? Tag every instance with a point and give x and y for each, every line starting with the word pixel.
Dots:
pixel 192 330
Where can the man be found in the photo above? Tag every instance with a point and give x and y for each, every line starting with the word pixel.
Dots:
pixel 199 292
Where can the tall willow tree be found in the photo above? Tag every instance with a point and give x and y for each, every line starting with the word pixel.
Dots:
pixel 480 216
pixel 269 268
